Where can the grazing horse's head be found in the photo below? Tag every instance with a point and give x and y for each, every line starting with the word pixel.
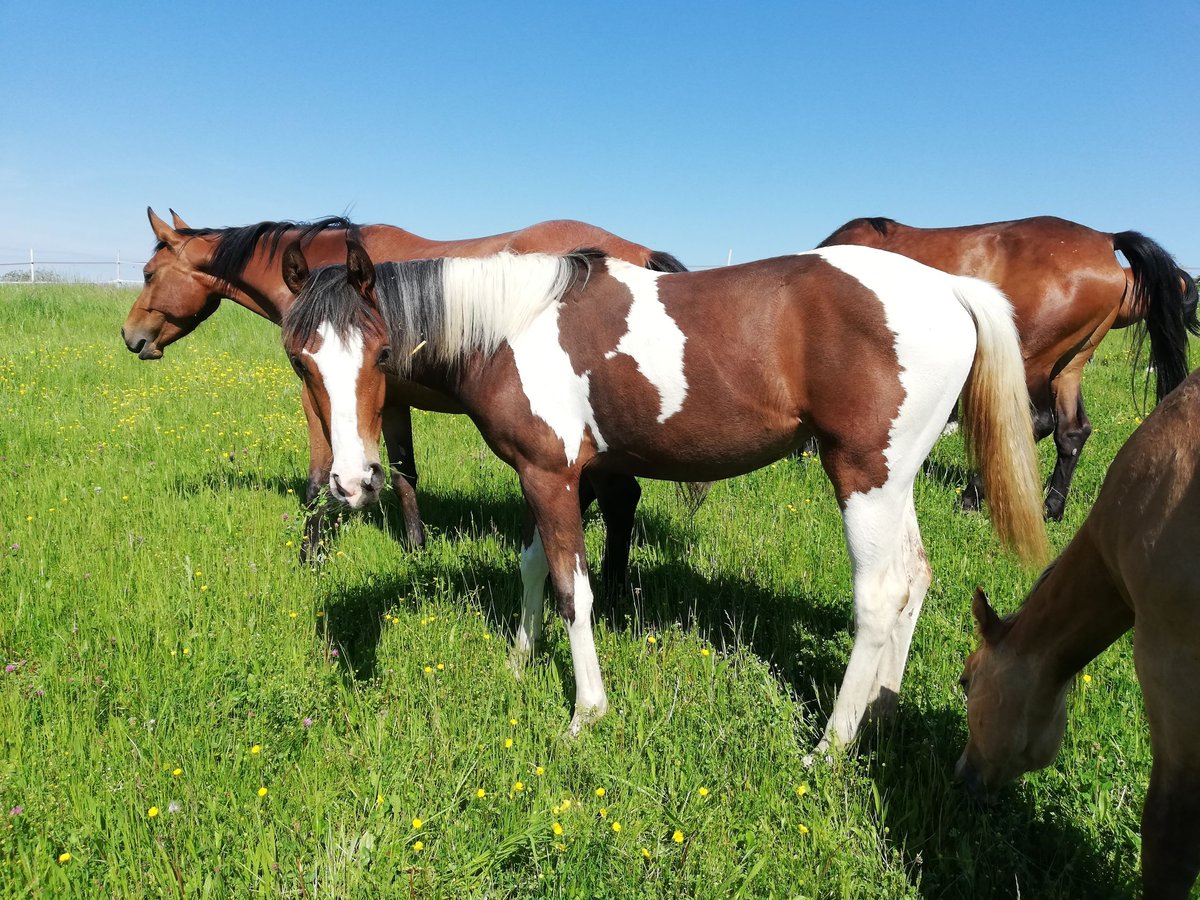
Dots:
pixel 338 345
pixel 1016 709
pixel 178 293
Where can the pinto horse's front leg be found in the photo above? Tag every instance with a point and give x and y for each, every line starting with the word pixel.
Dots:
pixel 320 459
pixel 398 438
pixel 553 499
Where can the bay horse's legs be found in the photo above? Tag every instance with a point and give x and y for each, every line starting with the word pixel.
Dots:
pixel 556 512
pixel 1071 430
pixel 1171 817
pixel 320 459
pixel 397 437
pixel 895 654
pixel 1043 427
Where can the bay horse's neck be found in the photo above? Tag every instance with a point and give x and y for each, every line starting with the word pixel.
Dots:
pixel 1072 614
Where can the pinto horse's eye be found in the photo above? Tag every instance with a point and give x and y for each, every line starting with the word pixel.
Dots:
pixel 384 355
pixel 297 365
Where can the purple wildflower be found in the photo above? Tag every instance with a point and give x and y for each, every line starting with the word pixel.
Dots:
pixel 16 810
pixel 307 722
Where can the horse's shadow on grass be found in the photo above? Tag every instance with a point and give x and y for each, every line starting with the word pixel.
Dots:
pixel 958 849
pixel 1007 849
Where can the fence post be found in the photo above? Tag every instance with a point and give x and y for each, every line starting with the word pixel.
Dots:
pixel 31 265
pixel 118 268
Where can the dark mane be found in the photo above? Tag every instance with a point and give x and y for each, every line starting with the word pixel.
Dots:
pixel 327 296
pixel 235 246
pixel 880 224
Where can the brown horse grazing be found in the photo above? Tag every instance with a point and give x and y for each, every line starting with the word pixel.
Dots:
pixel 587 366
pixel 194 268
pixel 1067 290
pixel 1133 565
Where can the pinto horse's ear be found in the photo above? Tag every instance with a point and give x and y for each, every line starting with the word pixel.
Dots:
pixel 295 267
pixel 991 627
pixel 164 232
pixel 177 220
pixel 360 270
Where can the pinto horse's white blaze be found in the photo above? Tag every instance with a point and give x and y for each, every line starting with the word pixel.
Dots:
pixel 339 363
pixel 935 346
pixel 556 394
pixel 654 340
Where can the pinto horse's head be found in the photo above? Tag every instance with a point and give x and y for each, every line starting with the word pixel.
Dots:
pixel 1016 711
pixel 338 344
pixel 177 296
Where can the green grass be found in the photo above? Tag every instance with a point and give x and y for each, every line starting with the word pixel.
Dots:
pixel 152 604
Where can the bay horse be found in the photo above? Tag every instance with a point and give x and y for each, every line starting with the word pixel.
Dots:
pixel 586 365
pixel 1132 565
pixel 1067 289
pixel 192 269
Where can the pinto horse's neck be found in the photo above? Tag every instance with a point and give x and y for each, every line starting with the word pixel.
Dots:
pixel 1072 614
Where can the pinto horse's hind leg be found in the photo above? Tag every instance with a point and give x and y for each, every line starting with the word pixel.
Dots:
pixel 876 535
pixel 1166 666
pixel 556 511
pixel 398 438
pixel 1071 430
pixel 895 654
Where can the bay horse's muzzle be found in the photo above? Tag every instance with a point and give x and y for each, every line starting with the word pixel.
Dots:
pixel 364 492
pixel 140 344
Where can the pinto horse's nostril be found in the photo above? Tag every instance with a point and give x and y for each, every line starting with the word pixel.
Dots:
pixel 335 485
pixel 375 483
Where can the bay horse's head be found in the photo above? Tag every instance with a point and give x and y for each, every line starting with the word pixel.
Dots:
pixel 338 345
pixel 1016 709
pixel 178 293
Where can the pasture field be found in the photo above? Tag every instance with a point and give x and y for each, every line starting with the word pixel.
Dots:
pixel 188 712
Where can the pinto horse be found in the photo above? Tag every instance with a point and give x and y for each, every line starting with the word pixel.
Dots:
pixel 587 366
pixel 1131 565
pixel 192 269
pixel 1067 290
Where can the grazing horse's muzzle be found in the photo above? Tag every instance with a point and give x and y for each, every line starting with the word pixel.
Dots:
pixel 140 343
pixel 360 490
pixel 971 781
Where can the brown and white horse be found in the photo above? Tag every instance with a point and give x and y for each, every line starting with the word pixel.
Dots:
pixel 1067 290
pixel 192 269
pixel 584 365
pixel 1133 565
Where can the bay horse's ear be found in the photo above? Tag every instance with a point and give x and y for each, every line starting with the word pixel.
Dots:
pixel 360 270
pixel 177 220
pixel 295 267
pixel 991 626
pixel 164 232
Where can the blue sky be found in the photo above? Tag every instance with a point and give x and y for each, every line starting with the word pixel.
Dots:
pixel 697 128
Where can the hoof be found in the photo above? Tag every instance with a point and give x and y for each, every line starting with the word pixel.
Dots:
pixel 968 503
pixel 1053 512
pixel 585 718
pixel 516 663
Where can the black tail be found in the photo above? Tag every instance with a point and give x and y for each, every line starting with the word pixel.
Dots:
pixel 664 262
pixel 1168 296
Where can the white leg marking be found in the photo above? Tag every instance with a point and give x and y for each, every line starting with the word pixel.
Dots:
pixel 590 700
pixel 873 523
pixel 653 339
pixel 339 364
pixel 916 569
pixel 556 394
pixel 534 569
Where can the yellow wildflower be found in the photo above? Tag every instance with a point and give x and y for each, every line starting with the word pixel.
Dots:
pixel 419 846
pixel 417 823
pixel 262 792
pixel 177 772
pixel 152 812
pixel 803 829
pixel 557 829
pixel 616 826
pixel 255 750
pixel 703 792
pixel 600 792
pixel 64 858
pixel 677 837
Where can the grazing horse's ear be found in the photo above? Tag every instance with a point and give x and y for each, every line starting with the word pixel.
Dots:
pixel 991 627
pixel 177 220
pixel 295 267
pixel 164 232
pixel 360 270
